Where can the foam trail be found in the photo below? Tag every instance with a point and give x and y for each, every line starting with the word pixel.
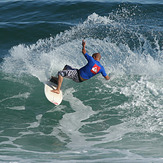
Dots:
pixel 71 123
pixel 17 108
pixel 23 95
pixel 37 123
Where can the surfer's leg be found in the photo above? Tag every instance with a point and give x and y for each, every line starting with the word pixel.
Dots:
pixel 71 74
pixel 60 80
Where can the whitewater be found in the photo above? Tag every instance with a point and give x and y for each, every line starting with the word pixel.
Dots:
pixel 120 120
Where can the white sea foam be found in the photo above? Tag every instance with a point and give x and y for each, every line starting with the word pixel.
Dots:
pixel 37 123
pixel 17 108
pixel 72 122
pixel 20 95
pixel 46 57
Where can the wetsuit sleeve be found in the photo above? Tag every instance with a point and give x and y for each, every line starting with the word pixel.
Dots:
pixel 87 56
pixel 103 72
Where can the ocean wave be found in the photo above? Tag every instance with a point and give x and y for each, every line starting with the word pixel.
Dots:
pixel 97 119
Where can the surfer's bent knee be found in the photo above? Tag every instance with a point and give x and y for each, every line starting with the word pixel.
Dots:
pixel 62 73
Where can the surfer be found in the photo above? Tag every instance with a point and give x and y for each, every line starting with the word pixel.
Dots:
pixel 92 68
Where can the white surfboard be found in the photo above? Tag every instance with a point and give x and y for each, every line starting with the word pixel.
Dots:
pixel 52 97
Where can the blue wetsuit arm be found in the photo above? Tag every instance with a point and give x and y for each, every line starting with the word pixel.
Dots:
pixel 104 74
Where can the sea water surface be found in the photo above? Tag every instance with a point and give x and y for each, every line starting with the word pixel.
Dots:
pixel 120 120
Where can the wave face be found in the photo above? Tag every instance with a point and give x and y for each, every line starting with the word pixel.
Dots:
pixel 119 120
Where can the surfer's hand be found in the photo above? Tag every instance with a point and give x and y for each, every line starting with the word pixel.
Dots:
pixel 83 43
pixel 107 77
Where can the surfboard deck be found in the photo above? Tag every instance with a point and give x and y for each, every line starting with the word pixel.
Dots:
pixel 51 96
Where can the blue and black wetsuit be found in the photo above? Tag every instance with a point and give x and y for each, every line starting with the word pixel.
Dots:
pixel 92 68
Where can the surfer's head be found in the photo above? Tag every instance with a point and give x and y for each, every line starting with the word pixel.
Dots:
pixel 97 56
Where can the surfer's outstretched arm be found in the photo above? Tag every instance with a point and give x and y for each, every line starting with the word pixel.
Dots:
pixel 83 49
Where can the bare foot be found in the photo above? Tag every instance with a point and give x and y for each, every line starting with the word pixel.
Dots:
pixel 56 91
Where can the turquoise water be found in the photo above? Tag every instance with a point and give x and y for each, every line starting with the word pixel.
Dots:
pixel 120 120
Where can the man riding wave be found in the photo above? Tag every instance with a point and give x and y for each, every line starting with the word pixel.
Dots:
pixel 92 68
